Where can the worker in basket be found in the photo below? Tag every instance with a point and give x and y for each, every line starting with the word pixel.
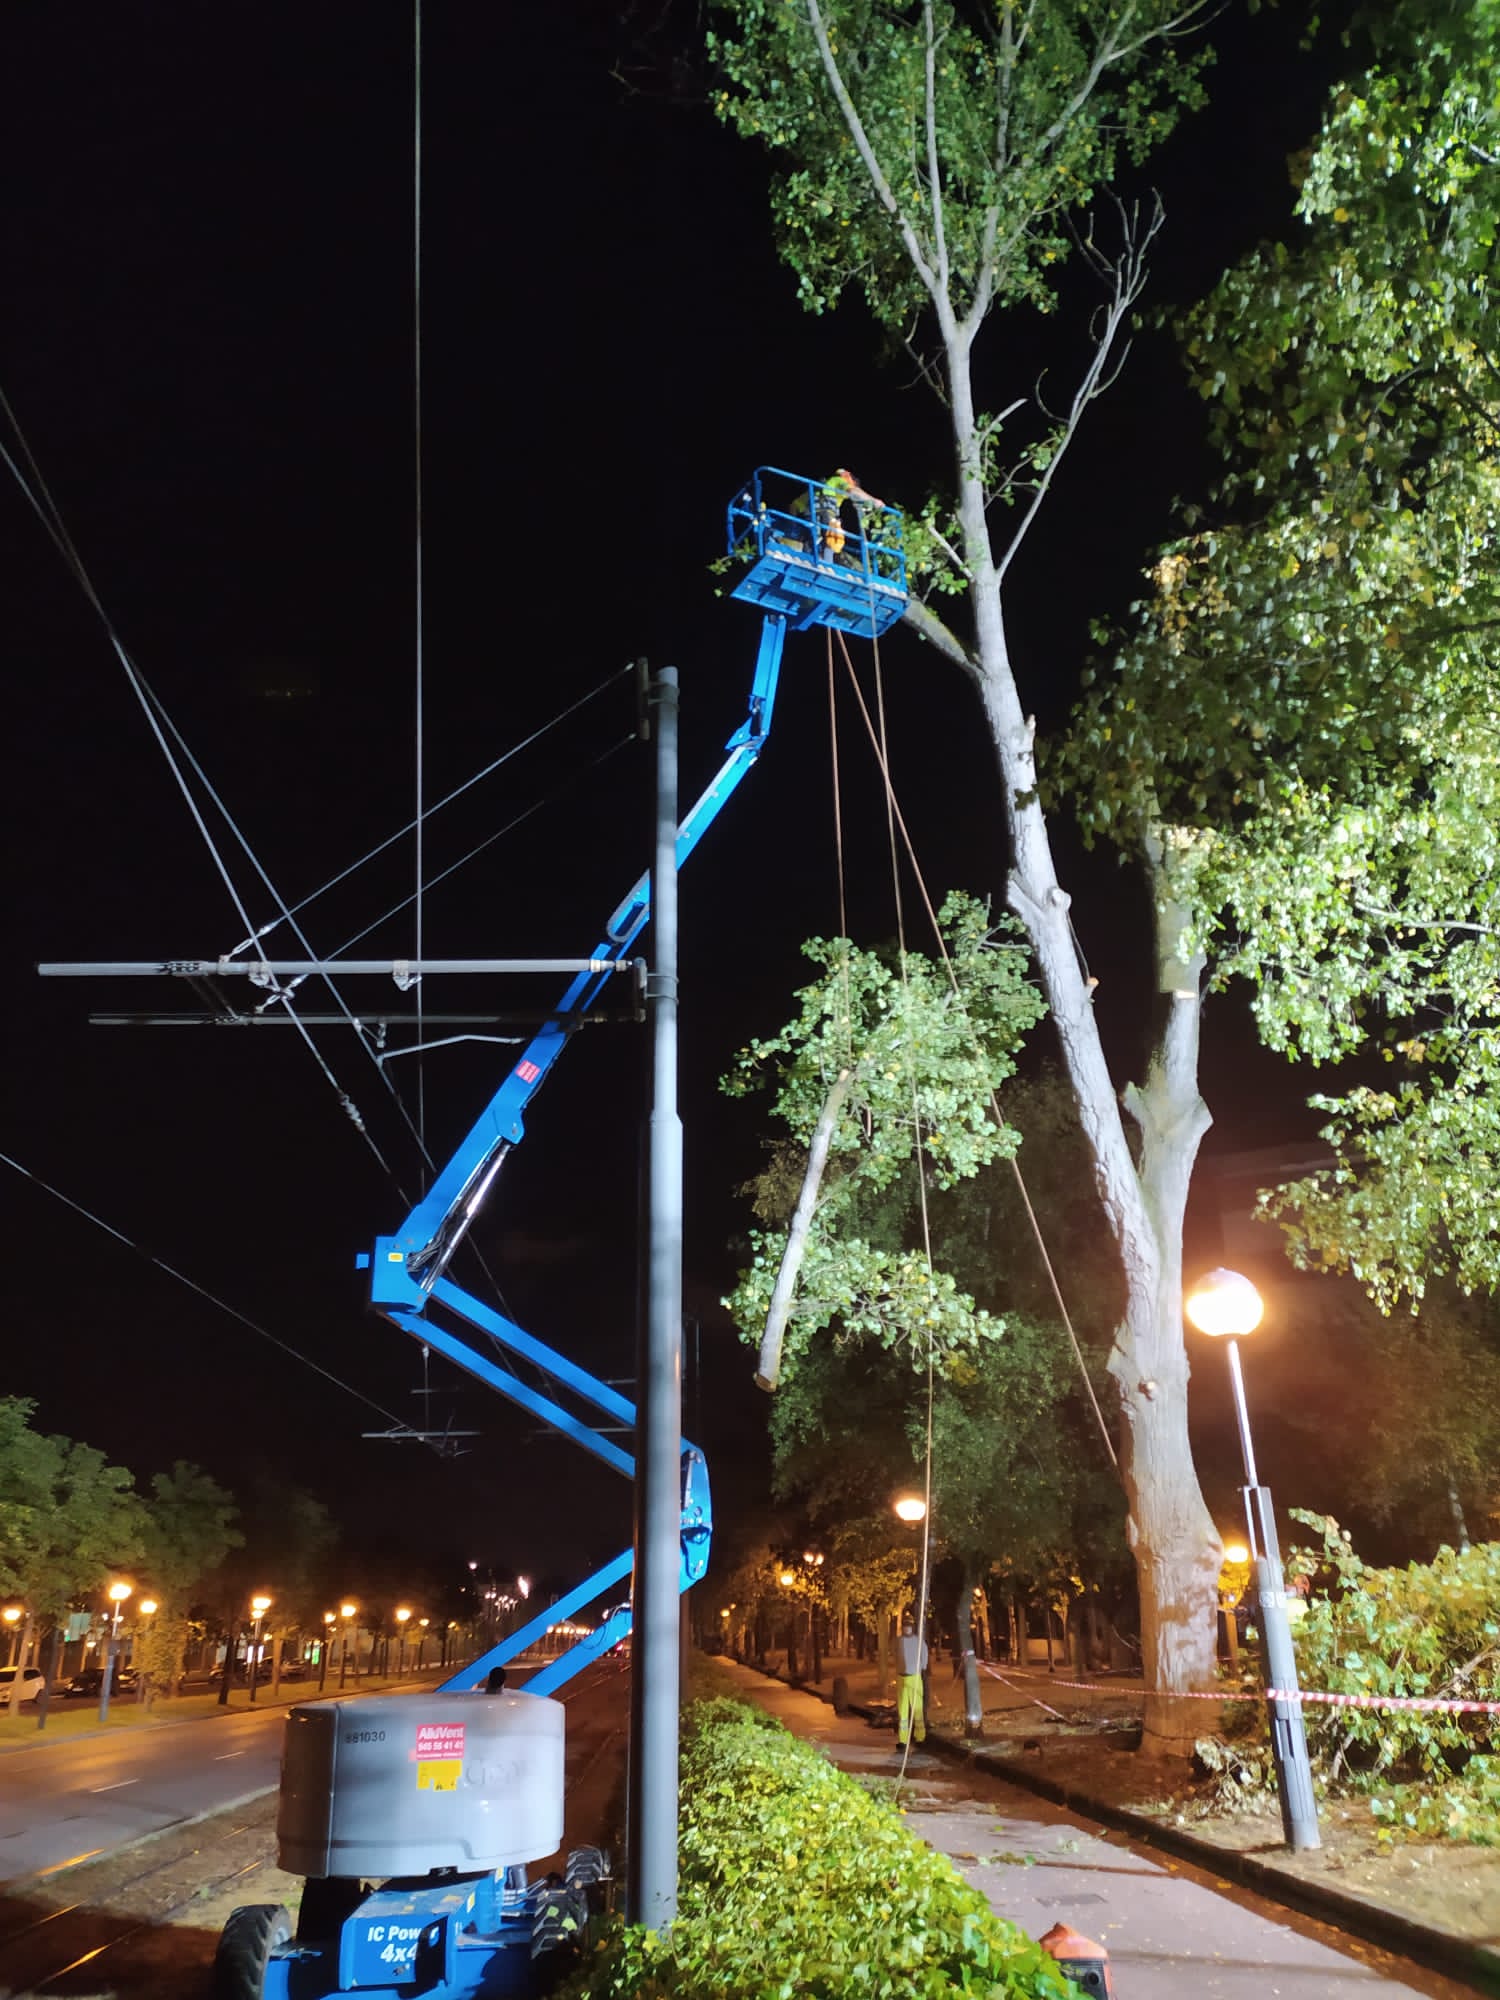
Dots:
pixel 835 490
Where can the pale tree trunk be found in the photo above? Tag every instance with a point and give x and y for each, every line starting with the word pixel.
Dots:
pixel 1171 1534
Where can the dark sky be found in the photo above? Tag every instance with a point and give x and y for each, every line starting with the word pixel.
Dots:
pixel 208 342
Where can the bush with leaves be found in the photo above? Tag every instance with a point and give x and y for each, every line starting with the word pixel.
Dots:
pixel 1429 1630
pixel 795 1880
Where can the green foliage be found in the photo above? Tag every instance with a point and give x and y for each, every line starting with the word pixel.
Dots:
pixel 795 1880
pixel 926 1051
pixel 1033 107
pixel 1308 694
pixel 1430 1629
pixel 188 1529
pixel 67 1516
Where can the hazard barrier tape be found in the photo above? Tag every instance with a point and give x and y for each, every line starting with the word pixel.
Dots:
pixel 1426 1704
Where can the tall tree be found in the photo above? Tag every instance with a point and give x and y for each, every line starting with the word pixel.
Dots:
pixel 188 1529
pixel 1308 698
pixel 939 157
pixel 67 1516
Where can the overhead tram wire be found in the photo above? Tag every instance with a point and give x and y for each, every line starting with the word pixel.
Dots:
pixel 162 726
pixel 391 840
pixel 527 812
pixel 202 1290
pixel 52 520
pixel 416 291
pixel 1020 1179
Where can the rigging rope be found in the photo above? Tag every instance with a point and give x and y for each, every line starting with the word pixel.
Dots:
pixel 1031 1215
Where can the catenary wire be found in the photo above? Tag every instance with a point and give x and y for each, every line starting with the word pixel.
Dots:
pixel 202 1290
pixel 162 726
pixel 478 777
pixel 416 346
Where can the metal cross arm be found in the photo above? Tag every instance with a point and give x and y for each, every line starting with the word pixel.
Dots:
pixel 260 971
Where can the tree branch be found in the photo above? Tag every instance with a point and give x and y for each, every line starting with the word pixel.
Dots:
pixel 934 176
pixel 855 126
pixel 927 625
pixel 1126 275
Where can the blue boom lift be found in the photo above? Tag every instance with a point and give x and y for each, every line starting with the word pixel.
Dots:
pixel 447 1801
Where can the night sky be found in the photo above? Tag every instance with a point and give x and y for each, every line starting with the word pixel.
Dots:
pixel 208 344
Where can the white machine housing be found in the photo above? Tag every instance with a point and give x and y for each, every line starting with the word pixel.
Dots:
pixel 402 1784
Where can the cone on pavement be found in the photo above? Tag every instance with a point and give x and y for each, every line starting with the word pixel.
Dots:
pixel 1085 1963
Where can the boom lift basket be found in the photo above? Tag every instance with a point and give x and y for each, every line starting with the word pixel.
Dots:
pixel 810 562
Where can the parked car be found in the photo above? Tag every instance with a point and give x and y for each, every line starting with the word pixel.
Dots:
pixel 91 1682
pixel 20 1684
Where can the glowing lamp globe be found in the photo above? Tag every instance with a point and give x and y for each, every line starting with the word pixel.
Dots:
pixel 1224 1304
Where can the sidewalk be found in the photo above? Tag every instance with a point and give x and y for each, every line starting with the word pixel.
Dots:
pixel 1173 1930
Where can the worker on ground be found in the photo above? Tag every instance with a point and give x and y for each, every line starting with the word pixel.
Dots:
pixel 911 1657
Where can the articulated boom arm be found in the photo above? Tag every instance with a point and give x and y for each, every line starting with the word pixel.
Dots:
pixel 407 1271
pixel 805 563
pixel 436 1226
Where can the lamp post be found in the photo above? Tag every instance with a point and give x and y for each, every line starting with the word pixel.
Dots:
pixel 117 1594
pixel 148 1608
pixel 330 1619
pixel 1227 1306
pixel 1231 1589
pixel 346 1612
pixel 12 1617
pixel 813 1558
pixel 260 1604
pixel 422 1624
pixel 403 1614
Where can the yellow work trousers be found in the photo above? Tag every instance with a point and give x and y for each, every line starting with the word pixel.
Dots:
pixel 909 1718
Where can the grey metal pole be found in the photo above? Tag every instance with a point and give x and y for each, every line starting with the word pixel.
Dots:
pixel 651 1874
pixel 1294 1786
pixel 109 1667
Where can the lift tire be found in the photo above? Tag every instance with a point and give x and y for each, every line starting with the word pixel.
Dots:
pixel 245 1948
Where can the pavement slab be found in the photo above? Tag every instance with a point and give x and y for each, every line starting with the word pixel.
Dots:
pixel 1173 1931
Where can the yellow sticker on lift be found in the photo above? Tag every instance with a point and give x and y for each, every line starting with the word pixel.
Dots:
pixel 439 1774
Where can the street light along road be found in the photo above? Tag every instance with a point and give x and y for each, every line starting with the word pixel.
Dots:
pixel 1227 1306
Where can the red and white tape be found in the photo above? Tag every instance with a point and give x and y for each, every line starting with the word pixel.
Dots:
pixel 1428 1704
pixel 1425 1704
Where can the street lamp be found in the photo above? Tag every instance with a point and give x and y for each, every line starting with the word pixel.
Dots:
pixel 12 1617
pixel 330 1619
pixel 117 1594
pixel 260 1604
pixel 1227 1306
pixel 403 1613
pixel 910 1507
pixel 422 1624
pixel 346 1612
